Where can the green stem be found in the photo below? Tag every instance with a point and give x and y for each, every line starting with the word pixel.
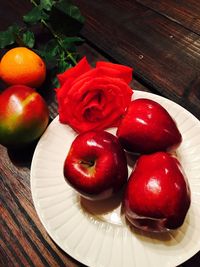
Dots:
pixel 55 35
pixel 33 2
pixel 69 55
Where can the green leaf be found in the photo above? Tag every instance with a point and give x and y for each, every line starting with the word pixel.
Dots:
pixel 74 39
pixel 28 39
pixel 69 42
pixel 35 15
pixel 51 52
pixel 8 37
pixel 46 55
pixel 63 65
pixel 53 47
pixel 46 4
pixel 70 10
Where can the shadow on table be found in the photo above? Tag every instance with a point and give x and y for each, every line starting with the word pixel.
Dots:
pixel 22 156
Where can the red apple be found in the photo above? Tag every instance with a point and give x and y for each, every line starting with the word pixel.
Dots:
pixel 157 196
pixel 147 127
pixel 24 116
pixel 96 165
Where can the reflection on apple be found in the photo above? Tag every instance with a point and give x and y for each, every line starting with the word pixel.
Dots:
pixel 96 165
pixel 157 196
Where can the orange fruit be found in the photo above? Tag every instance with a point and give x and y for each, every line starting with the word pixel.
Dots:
pixel 21 65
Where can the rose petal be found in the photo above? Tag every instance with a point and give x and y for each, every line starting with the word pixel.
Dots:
pixel 93 74
pixel 117 70
pixel 81 67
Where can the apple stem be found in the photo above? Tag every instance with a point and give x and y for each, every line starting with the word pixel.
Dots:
pixel 87 163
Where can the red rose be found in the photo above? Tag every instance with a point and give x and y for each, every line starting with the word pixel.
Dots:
pixel 93 98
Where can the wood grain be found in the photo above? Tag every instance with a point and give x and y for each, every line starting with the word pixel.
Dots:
pixel 183 12
pixel 11 11
pixel 23 234
pixel 165 56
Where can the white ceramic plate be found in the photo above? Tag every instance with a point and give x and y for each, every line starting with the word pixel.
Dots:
pixel 97 235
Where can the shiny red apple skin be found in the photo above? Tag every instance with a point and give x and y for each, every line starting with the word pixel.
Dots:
pixel 147 128
pixel 24 116
pixel 96 165
pixel 157 196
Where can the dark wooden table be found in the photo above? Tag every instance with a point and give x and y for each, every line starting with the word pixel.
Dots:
pixel 160 40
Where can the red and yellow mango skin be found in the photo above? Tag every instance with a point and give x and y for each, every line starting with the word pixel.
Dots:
pixel 24 116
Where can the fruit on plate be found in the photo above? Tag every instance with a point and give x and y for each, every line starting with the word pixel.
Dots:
pixel 147 127
pixel 24 116
pixel 96 165
pixel 157 196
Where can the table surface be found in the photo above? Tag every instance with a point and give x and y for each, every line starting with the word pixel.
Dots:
pixel 160 40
